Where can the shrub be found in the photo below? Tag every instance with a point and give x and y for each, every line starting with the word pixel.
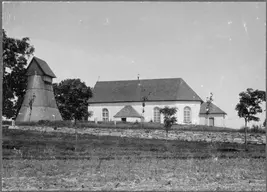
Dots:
pixel 61 124
pixel 26 123
pixel 46 123
pixel 6 122
pixel 169 117
pixel 254 129
pixel 257 129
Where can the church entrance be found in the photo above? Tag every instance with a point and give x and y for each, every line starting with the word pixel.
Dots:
pixel 211 121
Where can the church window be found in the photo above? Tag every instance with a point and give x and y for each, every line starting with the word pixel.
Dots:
pixel 187 115
pixel 156 115
pixel 105 114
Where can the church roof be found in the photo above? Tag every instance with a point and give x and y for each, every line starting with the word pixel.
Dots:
pixel 127 111
pixel 43 66
pixel 213 109
pixel 173 89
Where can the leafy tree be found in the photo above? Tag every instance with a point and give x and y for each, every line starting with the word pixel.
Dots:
pixel 72 97
pixel 209 106
pixel 249 106
pixel 15 55
pixel 169 117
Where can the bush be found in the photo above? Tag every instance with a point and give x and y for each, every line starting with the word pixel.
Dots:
pixel 5 122
pixel 204 128
pixel 254 129
pixel 26 123
pixel 46 123
pixel 169 117
pixel 61 124
pixel 257 129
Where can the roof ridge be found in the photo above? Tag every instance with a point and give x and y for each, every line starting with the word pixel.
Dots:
pixel 141 79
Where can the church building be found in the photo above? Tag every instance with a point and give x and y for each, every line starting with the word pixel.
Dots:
pixel 141 100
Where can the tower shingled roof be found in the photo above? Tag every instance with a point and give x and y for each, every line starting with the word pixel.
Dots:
pixel 43 66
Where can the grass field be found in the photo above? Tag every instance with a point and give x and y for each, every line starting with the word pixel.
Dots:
pixel 36 160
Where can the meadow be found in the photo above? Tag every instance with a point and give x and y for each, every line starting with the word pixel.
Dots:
pixel 37 160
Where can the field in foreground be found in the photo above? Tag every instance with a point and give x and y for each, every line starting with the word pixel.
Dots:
pixel 45 161
pixel 135 174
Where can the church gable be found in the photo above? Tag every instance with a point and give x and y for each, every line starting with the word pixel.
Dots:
pixel 127 111
pixel 213 109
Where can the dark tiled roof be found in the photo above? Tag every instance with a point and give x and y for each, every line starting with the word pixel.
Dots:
pixel 213 109
pixel 127 111
pixel 175 89
pixel 44 67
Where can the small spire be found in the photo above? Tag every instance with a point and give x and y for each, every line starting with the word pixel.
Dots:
pixel 139 83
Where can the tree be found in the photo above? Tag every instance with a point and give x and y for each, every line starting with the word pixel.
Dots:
pixel 169 117
pixel 209 106
pixel 72 97
pixel 144 99
pixel 15 55
pixel 249 106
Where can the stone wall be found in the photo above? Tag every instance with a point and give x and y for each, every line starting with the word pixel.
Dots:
pixel 229 137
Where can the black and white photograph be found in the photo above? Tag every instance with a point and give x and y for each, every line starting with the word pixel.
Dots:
pixel 133 96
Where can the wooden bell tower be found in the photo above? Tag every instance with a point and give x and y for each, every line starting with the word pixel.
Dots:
pixel 39 101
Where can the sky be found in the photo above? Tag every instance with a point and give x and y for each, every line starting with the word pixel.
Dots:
pixel 215 47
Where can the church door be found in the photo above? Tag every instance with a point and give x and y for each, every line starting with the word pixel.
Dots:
pixel 211 121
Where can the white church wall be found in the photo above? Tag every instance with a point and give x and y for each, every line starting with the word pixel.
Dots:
pixel 114 108
pixel 219 120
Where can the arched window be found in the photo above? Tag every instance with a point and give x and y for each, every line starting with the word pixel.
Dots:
pixel 105 114
pixel 156 115
pixel 187 115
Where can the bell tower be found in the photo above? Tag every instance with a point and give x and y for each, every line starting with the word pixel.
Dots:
pixel 39 101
